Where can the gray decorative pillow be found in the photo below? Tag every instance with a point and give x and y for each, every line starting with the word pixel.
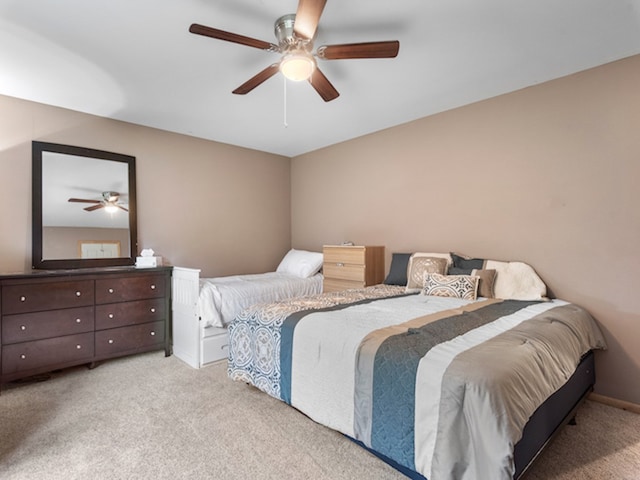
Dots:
pixel 452 286
pixel 398 270
pixel 460 261
pixel 487 280
pixel 419 266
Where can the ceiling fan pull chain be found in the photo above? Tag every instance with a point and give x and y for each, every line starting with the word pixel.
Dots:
pixel 285 102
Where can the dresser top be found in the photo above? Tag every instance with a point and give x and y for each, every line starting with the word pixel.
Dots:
pixel 73 272
pixel 352 246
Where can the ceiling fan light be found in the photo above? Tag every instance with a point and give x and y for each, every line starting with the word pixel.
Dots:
pixel 111 208
pixel 297 66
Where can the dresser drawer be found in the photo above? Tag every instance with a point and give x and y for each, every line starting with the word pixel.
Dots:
pixel 26 356
pixel 46 296
pixel 35 326
pixel 344 255
pixel 111 290
pixel 129 339
pixel 129 313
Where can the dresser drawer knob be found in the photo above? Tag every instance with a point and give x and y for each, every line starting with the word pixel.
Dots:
pixel 153 287
pixel 78 294
pixel 23 298
pixel 339 264
pixel 23 356
pixel 110 290
pixel 23 327
pixel 153 310
pixel 79 347
pixel 78 320
pixel 153 334
pixel 110 340
pixel 110 315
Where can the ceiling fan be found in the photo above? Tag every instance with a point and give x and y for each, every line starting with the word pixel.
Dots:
pixel 295 33
pixel 110 202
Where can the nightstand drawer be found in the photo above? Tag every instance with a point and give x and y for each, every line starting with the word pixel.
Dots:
pixel 344 255
pixel 344 272
pixel 333 285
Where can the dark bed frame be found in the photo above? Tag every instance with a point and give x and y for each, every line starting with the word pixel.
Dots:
pixel 545 423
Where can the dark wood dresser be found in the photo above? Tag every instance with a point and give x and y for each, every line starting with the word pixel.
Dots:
pixel 55 319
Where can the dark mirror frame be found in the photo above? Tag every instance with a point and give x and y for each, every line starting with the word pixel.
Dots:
pixel 38 148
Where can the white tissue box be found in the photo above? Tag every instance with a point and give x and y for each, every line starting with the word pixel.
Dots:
pixel 148 262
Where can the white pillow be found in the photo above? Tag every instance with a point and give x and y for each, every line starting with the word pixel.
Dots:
pixel 301 263
pixel 517 281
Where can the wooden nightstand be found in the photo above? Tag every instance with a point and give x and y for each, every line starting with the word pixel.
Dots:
pixel 348 267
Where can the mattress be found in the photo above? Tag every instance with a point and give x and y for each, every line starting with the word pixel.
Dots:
pixel 222 298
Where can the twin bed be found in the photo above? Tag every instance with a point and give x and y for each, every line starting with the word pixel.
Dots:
pixel 204 307
pixel 434 379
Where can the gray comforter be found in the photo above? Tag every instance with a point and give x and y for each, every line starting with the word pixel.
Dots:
pixel 441 386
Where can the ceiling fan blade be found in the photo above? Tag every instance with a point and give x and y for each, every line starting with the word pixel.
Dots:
pixel 359 50
pixel 256 80
pixel 83 200
pixel 122 208
pixel 323 86
pixel 231 37
pixel 94 207
pixel 307 17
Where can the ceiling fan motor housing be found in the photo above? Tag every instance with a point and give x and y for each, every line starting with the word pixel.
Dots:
pixel 110 196
pixel 288 41
pixel 283 29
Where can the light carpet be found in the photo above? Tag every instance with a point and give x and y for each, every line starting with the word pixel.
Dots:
pixel 148 416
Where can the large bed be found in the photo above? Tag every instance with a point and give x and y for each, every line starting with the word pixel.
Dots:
pixel 203 307
pixel 436 383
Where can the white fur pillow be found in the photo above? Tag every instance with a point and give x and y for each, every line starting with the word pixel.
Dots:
pixel 516 281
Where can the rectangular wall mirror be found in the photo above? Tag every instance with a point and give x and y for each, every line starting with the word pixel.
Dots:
pixel 84 207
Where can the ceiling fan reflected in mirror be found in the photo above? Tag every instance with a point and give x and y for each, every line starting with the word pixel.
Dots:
pixel 295 34
pixel 110 202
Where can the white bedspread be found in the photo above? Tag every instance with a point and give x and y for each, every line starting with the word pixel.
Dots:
pixel 222 298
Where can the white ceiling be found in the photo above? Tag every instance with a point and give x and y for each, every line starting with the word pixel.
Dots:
pixel 134 60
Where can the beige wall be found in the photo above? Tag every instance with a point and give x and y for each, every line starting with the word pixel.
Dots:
pixel 201 204
pixel 66 242
pixel 548 175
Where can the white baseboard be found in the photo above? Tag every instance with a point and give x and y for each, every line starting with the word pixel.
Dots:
pixel 614 402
